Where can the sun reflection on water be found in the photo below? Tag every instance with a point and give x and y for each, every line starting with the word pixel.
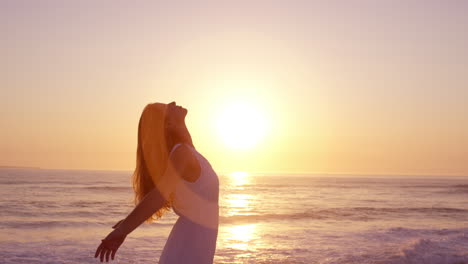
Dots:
pixel 239 201
pixel 240 236
pixel 238 204
pixel 239 179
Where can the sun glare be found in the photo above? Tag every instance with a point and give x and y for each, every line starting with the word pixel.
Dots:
pixel 239 174
pixel 239 178
pixel 242 236
pixel 241 125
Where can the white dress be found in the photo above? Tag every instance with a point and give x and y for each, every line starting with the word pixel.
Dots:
pixel 193 237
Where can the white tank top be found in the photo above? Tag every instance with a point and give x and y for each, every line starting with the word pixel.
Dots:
pixel 198 201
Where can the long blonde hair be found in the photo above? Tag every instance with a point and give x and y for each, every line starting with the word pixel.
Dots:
pixel 151 156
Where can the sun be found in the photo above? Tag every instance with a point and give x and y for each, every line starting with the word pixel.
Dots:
pixel 241 125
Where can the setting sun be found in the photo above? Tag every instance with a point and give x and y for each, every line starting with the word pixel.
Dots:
pixel 241 125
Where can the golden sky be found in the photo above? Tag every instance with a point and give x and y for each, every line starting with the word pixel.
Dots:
pixel 332 86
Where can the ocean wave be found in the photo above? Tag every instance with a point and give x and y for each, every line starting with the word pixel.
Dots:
pixel 109 188
pixel 354 213
pixel 460 189
pixel 402 245
pixel 455 189
pixel 48 224
pixel 418 251
pixel 425 232
pixel 463 186
pixel 60 214
pixel 432 252
pixel 64 224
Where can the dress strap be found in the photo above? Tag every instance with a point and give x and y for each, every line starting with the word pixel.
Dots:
pixel 174 148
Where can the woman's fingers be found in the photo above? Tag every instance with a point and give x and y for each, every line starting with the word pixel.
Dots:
pixel 98 250
pixel 102 254
pixel 107 255
pixel 107 248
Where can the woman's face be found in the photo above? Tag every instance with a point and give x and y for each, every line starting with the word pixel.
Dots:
pixel 175 120
pixel 175 113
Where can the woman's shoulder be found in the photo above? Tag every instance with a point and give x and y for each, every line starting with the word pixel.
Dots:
pixel 185 162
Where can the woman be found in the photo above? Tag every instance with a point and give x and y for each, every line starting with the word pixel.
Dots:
pixel 171 174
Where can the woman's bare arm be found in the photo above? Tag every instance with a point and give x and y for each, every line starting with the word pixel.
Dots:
pixel 154 200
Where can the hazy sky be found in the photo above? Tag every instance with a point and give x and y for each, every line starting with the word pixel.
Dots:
pixel 346 86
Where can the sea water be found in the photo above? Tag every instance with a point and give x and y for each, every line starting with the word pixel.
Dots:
pixel 60 216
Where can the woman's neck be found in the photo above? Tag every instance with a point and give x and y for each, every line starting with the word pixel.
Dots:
pixel 181 136
pixel 186 140
pixel 182 140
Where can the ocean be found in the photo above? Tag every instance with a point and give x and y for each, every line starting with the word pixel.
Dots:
pixel 60 216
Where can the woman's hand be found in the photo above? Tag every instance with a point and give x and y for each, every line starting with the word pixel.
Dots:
pixel 110 244
pixel 152 202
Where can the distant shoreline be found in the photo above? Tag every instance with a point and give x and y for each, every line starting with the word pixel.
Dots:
pixel 18 167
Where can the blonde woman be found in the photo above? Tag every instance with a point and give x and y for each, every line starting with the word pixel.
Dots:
pixel 171 174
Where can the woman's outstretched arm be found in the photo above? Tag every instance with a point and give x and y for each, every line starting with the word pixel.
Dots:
pixel 152 202
pixel 155 199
